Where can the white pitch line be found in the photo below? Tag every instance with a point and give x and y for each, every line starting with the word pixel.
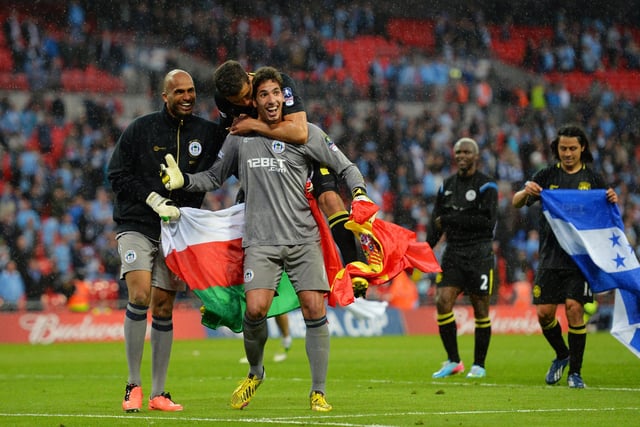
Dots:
pixel 323 420
pixel 305 421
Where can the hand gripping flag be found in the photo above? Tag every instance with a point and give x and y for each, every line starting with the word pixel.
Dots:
pixel 389 249
pixel 591 231
pixel 204 248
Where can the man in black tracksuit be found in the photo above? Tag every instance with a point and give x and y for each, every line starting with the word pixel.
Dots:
pixel 140 198
pixel 465 211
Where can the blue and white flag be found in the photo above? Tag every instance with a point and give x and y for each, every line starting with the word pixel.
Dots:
pixel 590 229
pixel 626 320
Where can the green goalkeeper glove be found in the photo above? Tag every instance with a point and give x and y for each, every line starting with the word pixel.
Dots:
pixel 163 207
pixel 171 175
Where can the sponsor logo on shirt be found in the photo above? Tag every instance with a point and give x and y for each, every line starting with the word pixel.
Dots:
pixel 269 163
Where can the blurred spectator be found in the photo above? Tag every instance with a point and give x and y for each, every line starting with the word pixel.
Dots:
pixel 76 21
pixel 631 52
pixel 566 58
pixel 109 52
pixel 13 35
pixel 11 287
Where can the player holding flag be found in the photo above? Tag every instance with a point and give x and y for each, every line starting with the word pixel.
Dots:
pixel 558 279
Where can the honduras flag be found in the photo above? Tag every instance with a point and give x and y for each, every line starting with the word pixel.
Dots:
pixel 590 229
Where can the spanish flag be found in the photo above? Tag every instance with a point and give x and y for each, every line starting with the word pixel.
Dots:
pixel 389 249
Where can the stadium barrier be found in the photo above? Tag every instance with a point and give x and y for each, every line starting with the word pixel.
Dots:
pixel 104 324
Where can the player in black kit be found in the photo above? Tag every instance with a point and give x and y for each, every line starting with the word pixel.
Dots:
pixel 465 211
pixel 558 279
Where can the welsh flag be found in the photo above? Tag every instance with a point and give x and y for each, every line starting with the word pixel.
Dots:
pixel 389 249
pixel 204 248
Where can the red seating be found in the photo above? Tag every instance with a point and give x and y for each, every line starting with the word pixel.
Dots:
pixel 576 82
pixel 624 82
pixel 91 80
pixel 360 52
pixel 11 81
pixel 6 59
pixel 511 51
pixel 412 32
pixel 73 80
pixel 259 28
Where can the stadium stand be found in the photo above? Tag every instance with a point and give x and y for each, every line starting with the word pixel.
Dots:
pixel 59 136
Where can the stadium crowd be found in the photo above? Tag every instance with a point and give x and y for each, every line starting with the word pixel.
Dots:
pixel 55 203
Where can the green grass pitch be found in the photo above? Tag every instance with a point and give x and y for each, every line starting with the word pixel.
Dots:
pixel 378 381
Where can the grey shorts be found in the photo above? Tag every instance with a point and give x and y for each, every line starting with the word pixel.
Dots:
pixel 138 252
pixel 263 266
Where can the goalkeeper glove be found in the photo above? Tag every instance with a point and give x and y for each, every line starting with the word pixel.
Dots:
pixel 360 194
pixel 171 176
pixel 163 207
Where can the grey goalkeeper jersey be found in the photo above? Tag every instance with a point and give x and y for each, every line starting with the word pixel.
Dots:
pixel 273 176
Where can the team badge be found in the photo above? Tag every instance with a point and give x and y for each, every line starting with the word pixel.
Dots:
pixel 288 96
pixel 470 195
pixel 248 275
pixel 195 148
pixel 537 291
pixel 584 186
pixel 130 256
pixel 277 147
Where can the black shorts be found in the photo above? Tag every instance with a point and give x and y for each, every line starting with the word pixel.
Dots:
pixel 471 270
pixel 554 286
pixel 323 179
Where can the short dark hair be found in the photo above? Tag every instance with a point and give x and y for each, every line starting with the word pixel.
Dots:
pixel 263 74
pixel 573 131
pixel 229 78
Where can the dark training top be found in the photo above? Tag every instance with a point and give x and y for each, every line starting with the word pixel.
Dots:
pixel 134 168
pixel 554 177
pixel 467 207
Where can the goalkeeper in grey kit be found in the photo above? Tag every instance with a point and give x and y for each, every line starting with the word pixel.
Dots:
pixel 281 233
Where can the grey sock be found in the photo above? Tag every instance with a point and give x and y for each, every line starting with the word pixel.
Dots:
pixel 317 344
pixel 161 342
pixel 255 334
pixel 135 329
